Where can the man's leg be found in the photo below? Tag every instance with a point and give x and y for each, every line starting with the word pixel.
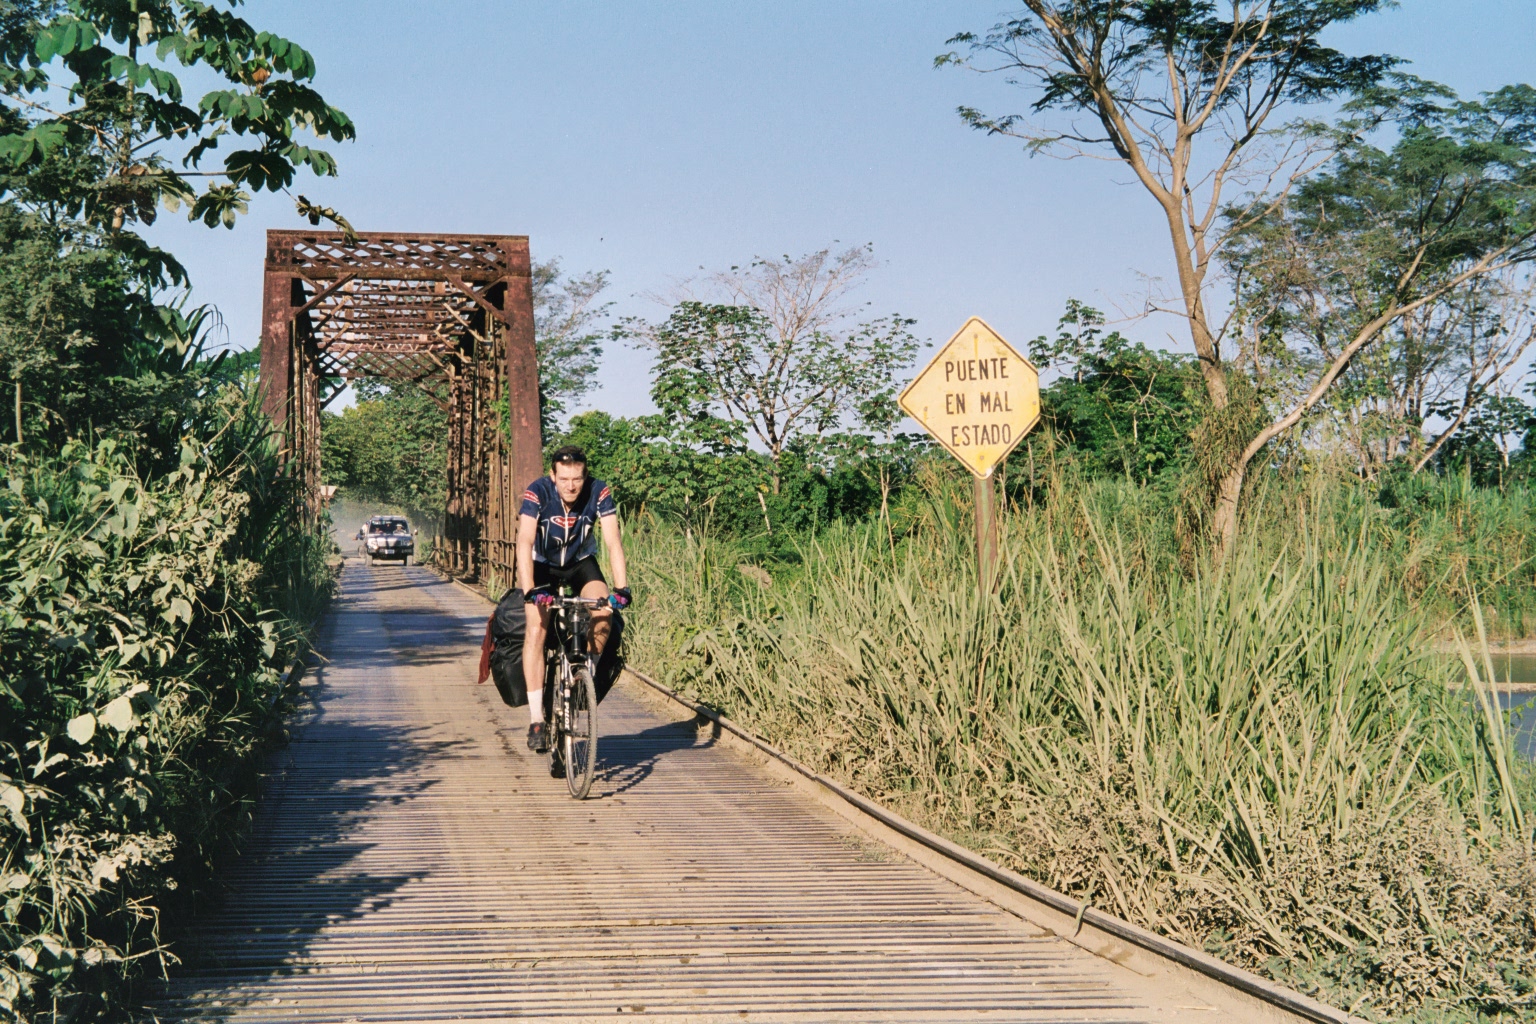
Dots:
pixel 533 661
pixel 602 618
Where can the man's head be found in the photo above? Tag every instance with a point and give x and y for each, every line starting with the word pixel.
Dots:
pixel 568 469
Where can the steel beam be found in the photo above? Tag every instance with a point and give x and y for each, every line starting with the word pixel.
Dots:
pixel 424 309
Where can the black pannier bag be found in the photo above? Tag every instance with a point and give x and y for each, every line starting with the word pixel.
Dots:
pixel 609 664
pixel 509 624
pixel 612 661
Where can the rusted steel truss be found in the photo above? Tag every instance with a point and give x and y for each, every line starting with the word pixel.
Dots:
pixel 451 313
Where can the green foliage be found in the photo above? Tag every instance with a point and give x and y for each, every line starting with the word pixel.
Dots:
pixel 700 475
pixel 94 110
pixel 1141 44
pixel 1120 407
pixel 567 318
pixel 1392 277
pixel 391 446
pixel 156 577
pixel 1485 447
pixel 142 651
pixel 731 359
pixel 1266 759
pixel 70 315
pixel 783 363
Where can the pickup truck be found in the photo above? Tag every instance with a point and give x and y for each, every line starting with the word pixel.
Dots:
pixel 387 537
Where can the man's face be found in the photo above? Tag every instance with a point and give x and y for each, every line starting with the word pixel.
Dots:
pixel 569 478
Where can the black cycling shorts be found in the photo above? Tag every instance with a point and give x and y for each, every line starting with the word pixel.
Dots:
pixel 576 575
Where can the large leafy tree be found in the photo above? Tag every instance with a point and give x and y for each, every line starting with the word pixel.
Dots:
pixel 98 124
pixel 1190 97
pixel 96 136
pixel 1398 266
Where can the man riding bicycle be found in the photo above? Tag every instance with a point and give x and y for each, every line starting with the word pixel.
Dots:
pixel 557 547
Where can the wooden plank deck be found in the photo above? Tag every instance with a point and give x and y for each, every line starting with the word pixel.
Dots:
pixel 413 862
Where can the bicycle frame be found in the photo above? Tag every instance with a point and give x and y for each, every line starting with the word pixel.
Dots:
pixel 570 623
pixel 568 681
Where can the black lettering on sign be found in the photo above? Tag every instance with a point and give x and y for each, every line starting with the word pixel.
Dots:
pixel 995 401
pixel 949 370
pixel 967 435
pixel 954 404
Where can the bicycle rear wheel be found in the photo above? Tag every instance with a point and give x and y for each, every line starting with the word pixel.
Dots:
pixel 580 739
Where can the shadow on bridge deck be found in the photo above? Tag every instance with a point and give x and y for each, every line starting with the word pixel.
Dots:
pixel 413 862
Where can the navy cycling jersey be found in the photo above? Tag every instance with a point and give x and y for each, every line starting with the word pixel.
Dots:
pixel 566 537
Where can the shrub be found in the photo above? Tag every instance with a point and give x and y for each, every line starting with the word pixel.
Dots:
pixel 141 666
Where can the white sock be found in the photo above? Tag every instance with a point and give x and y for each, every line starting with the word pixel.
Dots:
pixel 536 706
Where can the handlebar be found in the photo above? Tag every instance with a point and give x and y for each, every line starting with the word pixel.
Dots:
pixel 574 601
pixel 590 602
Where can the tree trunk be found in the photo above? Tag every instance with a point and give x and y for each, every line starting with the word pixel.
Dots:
pixel 1224 515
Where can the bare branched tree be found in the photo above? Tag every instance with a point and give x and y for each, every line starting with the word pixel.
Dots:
pixel 781 347
pixel 1193 98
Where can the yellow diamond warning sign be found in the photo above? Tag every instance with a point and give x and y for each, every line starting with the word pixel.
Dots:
pixel 978 397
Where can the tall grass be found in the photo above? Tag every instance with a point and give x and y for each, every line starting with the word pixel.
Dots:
pixel 1263 759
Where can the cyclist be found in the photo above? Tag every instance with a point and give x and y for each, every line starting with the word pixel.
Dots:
pixel 556 547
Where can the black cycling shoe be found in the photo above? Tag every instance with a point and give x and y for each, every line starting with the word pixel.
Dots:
pixel 557 766
pixel 538 738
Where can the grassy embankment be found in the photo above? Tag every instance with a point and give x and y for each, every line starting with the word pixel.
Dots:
pixel 1261 759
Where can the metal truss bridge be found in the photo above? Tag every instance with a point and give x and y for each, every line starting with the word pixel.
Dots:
pixel 450 314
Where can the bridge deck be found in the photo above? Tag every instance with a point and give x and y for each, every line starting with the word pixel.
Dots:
pixel 413 862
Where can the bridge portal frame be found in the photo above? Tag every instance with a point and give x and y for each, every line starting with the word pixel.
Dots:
pixel 452 313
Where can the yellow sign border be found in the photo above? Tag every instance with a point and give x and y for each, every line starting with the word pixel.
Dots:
pixel 901 399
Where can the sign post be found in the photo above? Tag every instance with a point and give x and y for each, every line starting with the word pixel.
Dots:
pixel 978 397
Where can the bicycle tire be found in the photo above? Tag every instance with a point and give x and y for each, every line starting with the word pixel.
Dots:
pixel 580 738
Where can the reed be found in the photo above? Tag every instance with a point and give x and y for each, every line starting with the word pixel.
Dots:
pixel 1265 759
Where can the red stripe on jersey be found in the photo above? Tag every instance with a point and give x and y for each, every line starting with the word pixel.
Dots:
pixel 530 496
pixel 603 495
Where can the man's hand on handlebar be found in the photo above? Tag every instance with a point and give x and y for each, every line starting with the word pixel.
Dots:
pixel 541 596
pixel 620 597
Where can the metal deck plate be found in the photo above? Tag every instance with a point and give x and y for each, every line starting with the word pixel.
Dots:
pixel 412 862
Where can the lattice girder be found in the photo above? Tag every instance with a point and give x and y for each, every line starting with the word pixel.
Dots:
pixel 452 312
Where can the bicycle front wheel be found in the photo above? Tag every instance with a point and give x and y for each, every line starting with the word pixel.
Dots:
pixel 580 739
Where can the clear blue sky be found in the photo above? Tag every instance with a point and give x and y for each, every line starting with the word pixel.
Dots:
pixel 653 138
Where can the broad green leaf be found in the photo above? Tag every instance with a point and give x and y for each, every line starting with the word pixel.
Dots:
pixel 181 609
pixel 81 728
pixel 119 714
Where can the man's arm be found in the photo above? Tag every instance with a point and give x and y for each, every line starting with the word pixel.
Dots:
pixel 527 532
pixel 615 547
